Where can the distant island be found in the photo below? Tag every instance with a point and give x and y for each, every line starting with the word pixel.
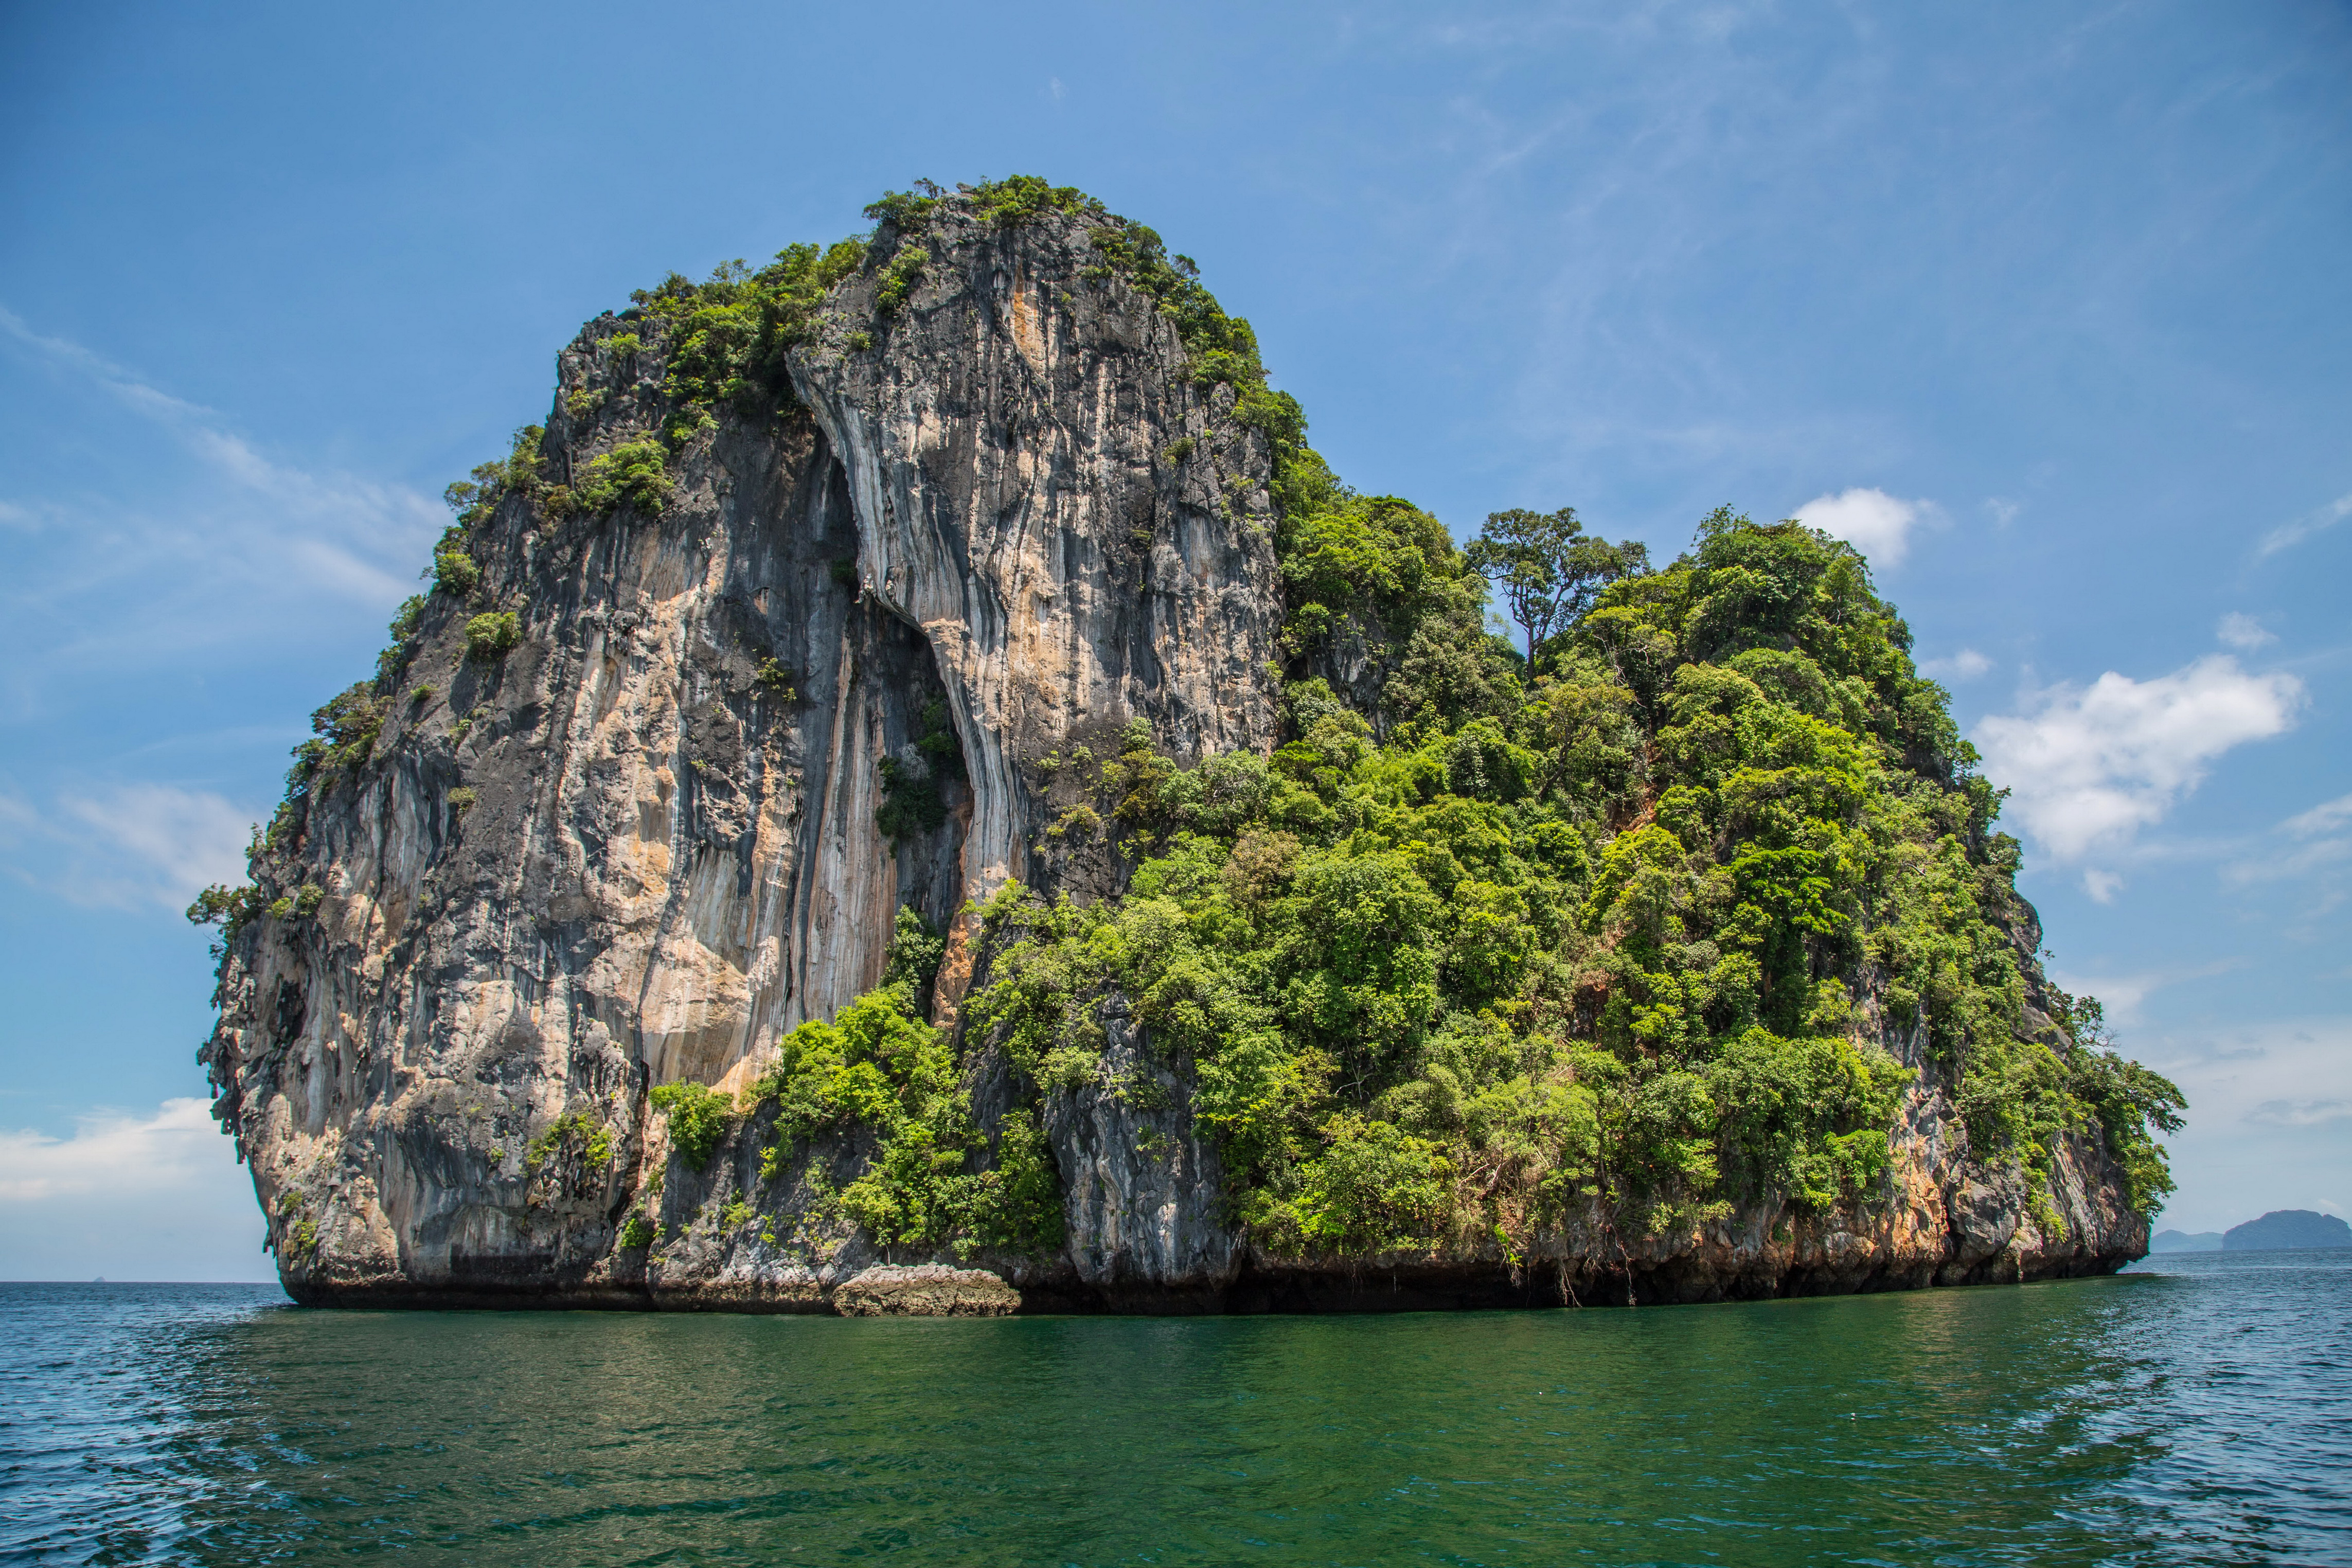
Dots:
pixel 2282 1228
pixel 2186 1241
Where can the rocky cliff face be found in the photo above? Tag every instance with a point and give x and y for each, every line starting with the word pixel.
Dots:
pixel 636 846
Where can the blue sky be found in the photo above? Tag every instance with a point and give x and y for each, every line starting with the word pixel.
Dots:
pixel 2044 305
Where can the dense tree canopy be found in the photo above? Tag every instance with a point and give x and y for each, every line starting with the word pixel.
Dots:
pixel 1627 927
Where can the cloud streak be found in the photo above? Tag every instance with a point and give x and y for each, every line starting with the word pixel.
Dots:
pixel 136 848
pixel 237 548
pixel 2288 535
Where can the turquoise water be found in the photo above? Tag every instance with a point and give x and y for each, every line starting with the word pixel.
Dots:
pixel 2197 1412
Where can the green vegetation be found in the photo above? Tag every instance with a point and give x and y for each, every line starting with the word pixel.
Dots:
pixel 489 637
pixel 1583 937
pixel 454 572
pixel 636 1231
pixel 912 801
pixel 635 473
pixel 777 680
pixel 575 1132
pixel 1548 570
pixel 881 1067
pixel 697 1119
pixel 900 277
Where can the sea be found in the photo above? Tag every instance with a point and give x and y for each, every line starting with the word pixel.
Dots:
pixel 2197 1409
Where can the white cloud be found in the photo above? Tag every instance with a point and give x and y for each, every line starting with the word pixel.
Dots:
pixel 2289 534
pixel 1965 665
pixel 2324 817
pixel 1871 520
pixel 132 1196
pixel 126 847
pixel 2002 510
pixel 2102 886
pixel 2089 767
pixel 2243 631
pixel 2265 1123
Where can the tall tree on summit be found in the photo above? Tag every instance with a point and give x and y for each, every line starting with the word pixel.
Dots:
pixel 1549 568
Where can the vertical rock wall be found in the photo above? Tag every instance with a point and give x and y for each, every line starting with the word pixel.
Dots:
pixel 623 857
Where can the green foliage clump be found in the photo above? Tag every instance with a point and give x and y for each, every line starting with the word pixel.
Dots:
pixel 344 737
pixel 455 572
pixel 777 680
pixel 878 1068
pixel 490 637
pixel 636 1231
pixel 913 802
pixel 635 473
pixel 1549 570
pixel 574 1132
pixel 517 473
pixel 1021 198
pixel 1223 349
pixel 727 338
pixel 697 1119
pixel 904 270
pixel 914 952
pixel 1583 944
pixel 225 906
pixel 2119 1102
pixel 395 657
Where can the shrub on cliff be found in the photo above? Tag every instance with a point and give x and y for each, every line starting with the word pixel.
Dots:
pixel 697 1115
pixel 490 637
pixel 634 472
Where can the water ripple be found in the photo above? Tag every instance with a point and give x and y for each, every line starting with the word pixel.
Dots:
pixel 2197 1412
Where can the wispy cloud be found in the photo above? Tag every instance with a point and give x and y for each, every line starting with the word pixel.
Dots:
pixel 2288 535
pixel 238 546
pixel 2284 1072
pixel 132 1195
pixel 109 1152
pixel 140 846
pixel 2089 767
pixel 2324 817
pixel 2124 995
pixel 2316 844
pixel 1966 664
pixel 2242 631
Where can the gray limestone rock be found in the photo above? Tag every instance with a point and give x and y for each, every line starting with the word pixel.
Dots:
pixel 644 843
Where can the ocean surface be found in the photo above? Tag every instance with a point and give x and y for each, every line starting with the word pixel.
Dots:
pixel 2198 1410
